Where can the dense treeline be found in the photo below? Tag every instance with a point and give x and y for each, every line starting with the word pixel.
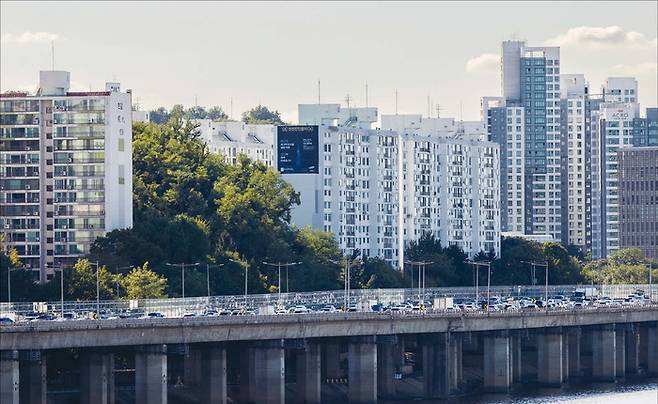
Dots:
pixel 191 207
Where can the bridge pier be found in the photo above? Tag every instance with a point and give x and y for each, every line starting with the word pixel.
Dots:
pixel 192 367
pixel 212 374
pixel 331 360
pixel 573 345
pixel 652 349
pixel 620 351
pixel 386 345
pixel 362 370
pixel 96 378
pixel 604 364
pixel 151 374
pixel 549 357
pixel 516 358
pixel 436 362
pixel 32 375
pixel 497 362
pixel 309 373
pixel 267 373
pixel 9 377
pixel 632 346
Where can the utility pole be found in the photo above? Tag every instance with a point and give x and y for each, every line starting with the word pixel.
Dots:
pixel 279 265
pixel 98 291
pixel 208 266
pixel 182 270
pixel 348 263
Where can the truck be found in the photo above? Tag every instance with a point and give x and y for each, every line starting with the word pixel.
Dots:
pixel 585 293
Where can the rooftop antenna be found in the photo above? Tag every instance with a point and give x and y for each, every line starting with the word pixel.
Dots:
pixel 396 101
pixel 461 112
pixel 438 110
pixel 319 91
pixel 231 116
pixel 429 107
pixel 366 94
pixel 52 54
pixel 348 98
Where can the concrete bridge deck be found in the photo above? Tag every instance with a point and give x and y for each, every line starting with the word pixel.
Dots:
pixel 127 332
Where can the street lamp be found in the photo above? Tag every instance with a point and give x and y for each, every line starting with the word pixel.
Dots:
pixel 279 265
pixel 98 294
pixel 533 265
pixel 182 271
pixel 348 279
pixel 117 272
pixel 208 266
pixel 476 267
pixel 421 277
pixel 9 283
pixel 61 287
pixel 246 270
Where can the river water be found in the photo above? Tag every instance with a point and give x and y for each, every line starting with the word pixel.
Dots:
pixel 639 392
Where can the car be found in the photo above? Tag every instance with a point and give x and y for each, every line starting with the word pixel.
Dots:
pixel 44 317
pixel 6 321
pixel 155 314
pixel 299 310
pixel 329 309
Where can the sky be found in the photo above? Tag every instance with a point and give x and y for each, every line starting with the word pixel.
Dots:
pixel 274 53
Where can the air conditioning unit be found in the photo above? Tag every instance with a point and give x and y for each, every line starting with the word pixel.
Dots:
pixel 27 187
pixel 65 227
pixel 7 226
pixel 70 159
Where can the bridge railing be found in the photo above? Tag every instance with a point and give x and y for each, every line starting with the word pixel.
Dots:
pixel 180 306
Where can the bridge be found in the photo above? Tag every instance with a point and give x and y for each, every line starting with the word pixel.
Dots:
pixel 297 357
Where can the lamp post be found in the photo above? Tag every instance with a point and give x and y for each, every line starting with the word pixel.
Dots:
pixel 533 265
pixel 98 294
pixel 421 277
pixel 182 270
pixel 279 265
pixel 61 288
pixel 208 266
pixel 650 283
pixel 246 271
pixel 117 273
pixel 348 262
pixel 9 283
pixel 476 268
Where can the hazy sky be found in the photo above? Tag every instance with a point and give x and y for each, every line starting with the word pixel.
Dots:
pixel 274 53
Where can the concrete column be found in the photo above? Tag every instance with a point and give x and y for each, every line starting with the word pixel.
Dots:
pixel 652 349
pixel 267 376
pixel 246 373
pixel 212 374
pixel 620 350
pixel 192 367
pixel 516 359
pixel 151 374
pixel 604 364
pixel 549 357
pixel 331 360
pixel 455 362
pixel 96 377
pixel 9 377
pixel 573 342
pixel 32 374
pixel 386 366
pixel 566 353
pixel 436 369
pixel 362 370
pixel 309 373
pixel 632 354
pixel 497 372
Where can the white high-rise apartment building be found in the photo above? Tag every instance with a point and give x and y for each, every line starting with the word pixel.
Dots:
pixel 531 93
pixel 66 175
pixel 576 169
pixel 377 190
pixel 615 131
pixel 231 138
pixel 620 89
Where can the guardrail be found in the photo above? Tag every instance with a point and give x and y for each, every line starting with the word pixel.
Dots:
pixel 175 307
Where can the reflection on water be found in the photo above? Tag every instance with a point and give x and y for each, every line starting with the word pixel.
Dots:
pixel 599 393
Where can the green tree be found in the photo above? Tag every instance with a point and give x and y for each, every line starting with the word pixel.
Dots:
pixel 625 266
pixel 261 114
pixel 23 286
pixel 80 281
pixel 142 283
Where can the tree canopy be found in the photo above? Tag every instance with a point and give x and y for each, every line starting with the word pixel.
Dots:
pixel 262 114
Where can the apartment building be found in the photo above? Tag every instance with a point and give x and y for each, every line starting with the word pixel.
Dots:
pixel 232 138
pixel 638 199
pixel 66 175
